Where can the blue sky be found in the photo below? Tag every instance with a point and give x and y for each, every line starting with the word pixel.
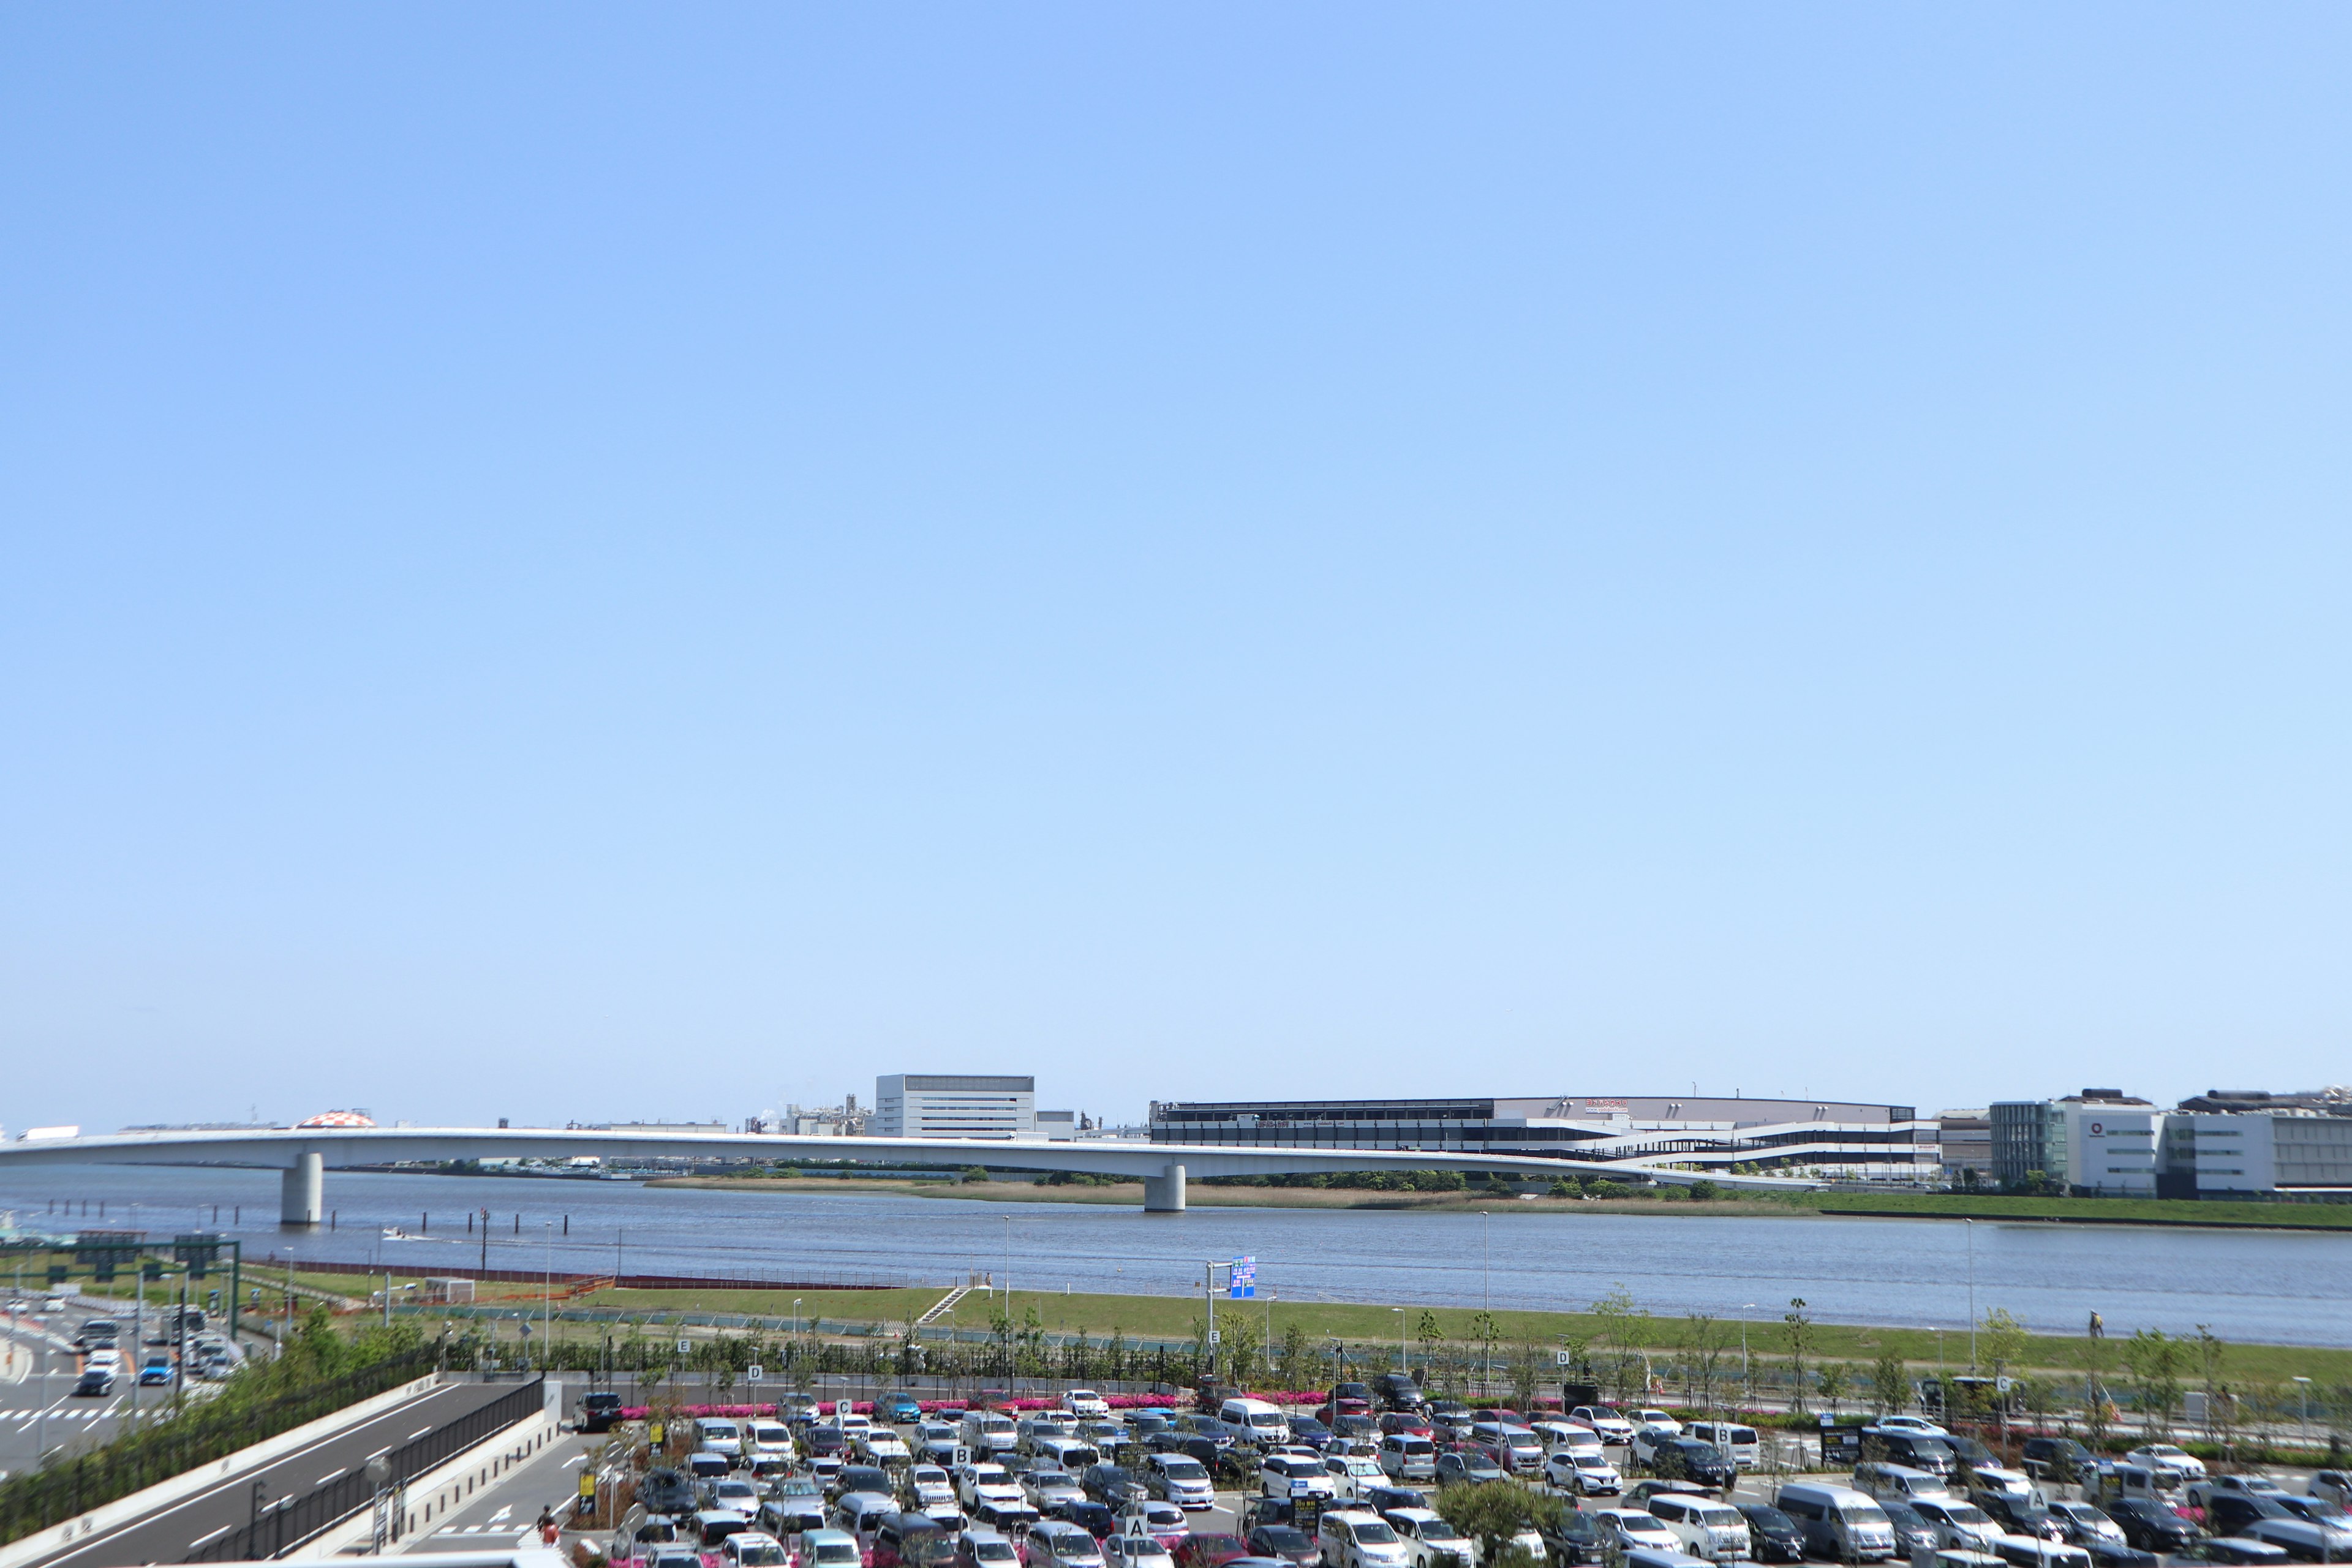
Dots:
pixel 594 562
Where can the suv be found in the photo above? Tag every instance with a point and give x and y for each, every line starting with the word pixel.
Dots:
pixel 2057 1460
pixel 1353 1538
pixel 1601 1418
pixel 1693 1459
pixel 1398 1390
pixel 598 1411
pixel 1429 1539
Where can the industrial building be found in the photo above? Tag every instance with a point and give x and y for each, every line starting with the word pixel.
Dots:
pixel 954 1105
pixel 1828 1140
pixel 2222 1143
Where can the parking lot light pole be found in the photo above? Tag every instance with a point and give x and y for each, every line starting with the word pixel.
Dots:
pixel 1404 1361
pixel 2303 1386
pixel 1747 1368
pixel 1970 1226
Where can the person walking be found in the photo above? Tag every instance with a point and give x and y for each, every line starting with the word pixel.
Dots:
pixel 549 1532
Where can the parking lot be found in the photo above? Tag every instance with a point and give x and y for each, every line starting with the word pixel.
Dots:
pixel 1242 1482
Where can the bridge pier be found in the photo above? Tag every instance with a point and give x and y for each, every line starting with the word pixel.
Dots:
pixel 1164 1194
pixel 303 1190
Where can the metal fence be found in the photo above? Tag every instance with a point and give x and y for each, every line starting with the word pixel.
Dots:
pixel 279 1527
pixel 197 1435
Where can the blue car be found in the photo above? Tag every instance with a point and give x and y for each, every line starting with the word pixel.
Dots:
pixel 158 1370
pixel 902 1408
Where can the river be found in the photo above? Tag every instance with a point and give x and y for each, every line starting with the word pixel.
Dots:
pixel 2275 1287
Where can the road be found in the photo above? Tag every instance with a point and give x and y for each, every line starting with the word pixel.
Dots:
pixel 503 1513
pixel 169 1534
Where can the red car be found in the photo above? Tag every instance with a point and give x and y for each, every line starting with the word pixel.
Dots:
pixel 1410 1422
pixel 1209 1550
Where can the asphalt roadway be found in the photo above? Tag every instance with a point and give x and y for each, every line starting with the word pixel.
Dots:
pixel 170 1533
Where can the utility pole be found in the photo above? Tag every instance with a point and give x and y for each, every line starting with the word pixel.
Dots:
pixel 1971 1226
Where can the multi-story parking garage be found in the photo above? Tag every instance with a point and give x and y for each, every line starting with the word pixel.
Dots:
pixel 1824 1138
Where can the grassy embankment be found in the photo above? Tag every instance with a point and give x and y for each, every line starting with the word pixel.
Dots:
pixel 1917 1205
pixel 1171 1316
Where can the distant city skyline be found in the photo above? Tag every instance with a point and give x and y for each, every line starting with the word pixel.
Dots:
pixel 666 563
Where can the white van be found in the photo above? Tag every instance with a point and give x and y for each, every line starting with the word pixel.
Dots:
pixel 1268 1427
pixel 1714 1530
pixel 1838 1522
pixel 1739 1442
pixel 986 1432
pixel 718 1436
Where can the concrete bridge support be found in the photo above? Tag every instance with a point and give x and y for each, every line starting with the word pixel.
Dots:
pixel 1164 1194
pixel 303 1190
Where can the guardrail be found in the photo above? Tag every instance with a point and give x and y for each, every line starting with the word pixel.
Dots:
pixel 278 1528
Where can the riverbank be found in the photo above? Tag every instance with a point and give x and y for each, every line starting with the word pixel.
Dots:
pixel 2157 1212
pixel 1179 1318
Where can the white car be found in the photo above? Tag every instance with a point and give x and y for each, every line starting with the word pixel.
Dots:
pixel 1357 1538
pixel 1657 1418
pixel 885 1447
pixel 1959 1526
pixel 1352 1474
pixel 1557 1435
pixel 1427 1537
pixel 1085 1402
pixel 2165 1457
pixel 2010 1486
pixel 1634 1528
pixel 2086 1524
pixel 1647 1439
pixel 930 1487
pixel 982 1484
pixel 1583 1472
pixel 105 1356
pixel 1048 1485
pixel 1916 1426
pixel 1297 1475
pixel 767 1437
pixel 1604 1420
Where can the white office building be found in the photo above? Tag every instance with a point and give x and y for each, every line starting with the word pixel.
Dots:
pixel 954 1105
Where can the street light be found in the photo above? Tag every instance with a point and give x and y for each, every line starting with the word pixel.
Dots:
pixel 2305 1392
pixel 796 1318
pixel 1404 1363
pixel 1747 1368
pixel 1970 1226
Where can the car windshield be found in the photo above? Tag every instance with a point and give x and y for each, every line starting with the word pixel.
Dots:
pixel 1282 1538
pixel 1184 1470
pixel 766 1554
pixel 1438 1530
pixel 993 1550
pixel 1966 1513
pixel 834 1552
pixel 1373 1531
pixel 1770 1518
pixel 1590 1462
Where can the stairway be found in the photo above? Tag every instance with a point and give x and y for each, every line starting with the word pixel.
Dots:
pixel 945 1305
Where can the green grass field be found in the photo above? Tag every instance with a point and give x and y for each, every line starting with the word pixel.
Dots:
pixel 2091 1210
pixel 1172 1317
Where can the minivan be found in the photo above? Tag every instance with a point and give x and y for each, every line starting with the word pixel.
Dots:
pixel 1838 1521
pixel 1900 1482
pixel 1406 1457
pixel 985 1432
pixel 1707 1529
pixel 1738 1442
pixel 1267 1426
pixel 1074 1454
pixel 1915 1450
pixel 718 1436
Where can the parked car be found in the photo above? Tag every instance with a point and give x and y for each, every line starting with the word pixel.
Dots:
pixel 1296 1476
pixel 1913 1533
pixel 1714 1530
pixel 1772 1536
pixel 985 1549
pixel 1057 1543
pixel 1397 1391
pixel 1429 1540
pixel 2320 1539
pixel 2332 1486
pixel 2056 1460
pixel 1048 1485
pixel 1353 1475
pixel 1838 1521
pixel 1467 1465
pixel 1409 1457
pixel 1688 1458
pixel 599 1411
pixel 1583 1472
pixel 2235 1549
pixel 1604 1420
pixel 1179 1479
pixel 1135 1552
pixel 1626 1529
pixel 2165 1456
pixel 1113 1486
pixel 1283 1542
pixel 1963 1526
pixel 2151 1525
pixel 1738 1442
pixel 899 1409
pixel 1574 1539
pixel 1210 1549
pixel 1352 1538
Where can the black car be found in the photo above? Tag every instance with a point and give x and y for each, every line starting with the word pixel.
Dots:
pixel 598 1412
pixel 1111 1485
pixel 2022 1516
pixel 1398 1390
pixel 1772 1536
pixel 666 1490
pixel 825 1440
pixel 1381 1499
pixel 1574 1540
pixel 1693 1459
pixel 1286 1542
pixel 2057 1460
pixel 1916 1449
pixel 2151 1526
pixel 1089 1515
pixel 2235 1549
pixel 863 1478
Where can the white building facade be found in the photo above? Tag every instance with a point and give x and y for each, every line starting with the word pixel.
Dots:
pixel 955 1105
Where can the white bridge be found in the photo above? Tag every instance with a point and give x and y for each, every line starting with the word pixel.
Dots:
pixel 303 1155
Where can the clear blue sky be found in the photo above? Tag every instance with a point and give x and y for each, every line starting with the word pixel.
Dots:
pixel 587 562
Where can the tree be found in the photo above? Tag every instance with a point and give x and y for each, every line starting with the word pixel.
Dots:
pixel 1799 1328
pixel 975 1172
pixel 1429 1335
pixel 1491 1512
pixel 2211 1352
pixel 1485 1334
pixel 1294 1356
pixel 1706 1338
pixel 1527 1364
pixel 1623 1327
pixel 2097 1358
pixel 2154 1357
pixel 1890 1384
pixel 1832 1381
